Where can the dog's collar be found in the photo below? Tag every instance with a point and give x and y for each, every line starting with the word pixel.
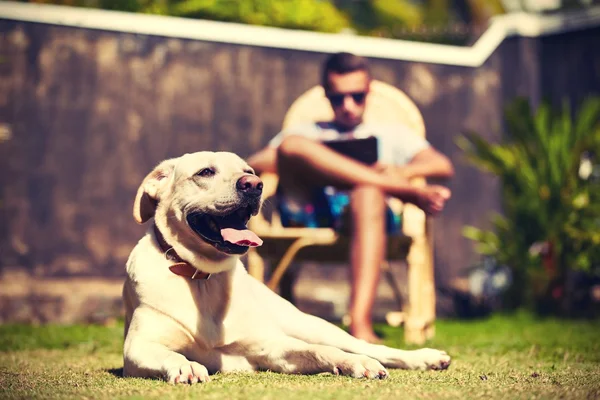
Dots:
pixel 181 267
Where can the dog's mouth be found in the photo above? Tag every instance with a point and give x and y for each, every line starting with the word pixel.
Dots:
pixel 227 233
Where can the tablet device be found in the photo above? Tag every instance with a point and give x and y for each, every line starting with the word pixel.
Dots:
pixel 363 150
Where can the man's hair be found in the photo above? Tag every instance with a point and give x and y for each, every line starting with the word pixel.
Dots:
pixel 343 63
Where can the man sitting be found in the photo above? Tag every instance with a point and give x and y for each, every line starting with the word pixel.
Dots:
pixel 308 170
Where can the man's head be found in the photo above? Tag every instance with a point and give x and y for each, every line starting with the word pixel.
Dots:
pixel 346 81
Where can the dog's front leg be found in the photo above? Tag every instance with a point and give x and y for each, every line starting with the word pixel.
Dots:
pixel 145 359
pixel 146 356
pixel 293 356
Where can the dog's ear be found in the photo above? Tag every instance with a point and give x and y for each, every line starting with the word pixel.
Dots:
pixel 147 196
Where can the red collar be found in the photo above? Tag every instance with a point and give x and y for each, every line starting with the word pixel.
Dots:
pixel 181 267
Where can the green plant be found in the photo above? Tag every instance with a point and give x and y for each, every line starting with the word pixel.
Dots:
pixel 440 21
pixel 295 14
pixel 381 17
pixel 315 15
pixel 551 215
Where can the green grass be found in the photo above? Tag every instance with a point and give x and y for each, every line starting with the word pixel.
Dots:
pixel 505 357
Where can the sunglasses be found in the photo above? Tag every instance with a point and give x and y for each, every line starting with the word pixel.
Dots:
pixel 338 99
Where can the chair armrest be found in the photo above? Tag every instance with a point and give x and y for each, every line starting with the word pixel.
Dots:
pixel 413 218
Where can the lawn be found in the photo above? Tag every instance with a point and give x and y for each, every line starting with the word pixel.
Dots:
pixel 504 357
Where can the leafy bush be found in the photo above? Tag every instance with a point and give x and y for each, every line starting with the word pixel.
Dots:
pixel 439 21
pixel 317 15
pixel 296 14
pixel 381 17
pixel 551 221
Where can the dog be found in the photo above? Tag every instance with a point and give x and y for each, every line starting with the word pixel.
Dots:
pixel 192 309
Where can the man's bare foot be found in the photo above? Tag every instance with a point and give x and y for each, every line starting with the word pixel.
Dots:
pixel 365 333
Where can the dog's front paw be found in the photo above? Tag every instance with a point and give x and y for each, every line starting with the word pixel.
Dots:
pixel 189 372
pixel 361 367
pixel 424 359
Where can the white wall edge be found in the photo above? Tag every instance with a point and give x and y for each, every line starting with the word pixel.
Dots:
pixel 501 27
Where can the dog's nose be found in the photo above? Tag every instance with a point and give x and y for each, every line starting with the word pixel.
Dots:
pixel 249 185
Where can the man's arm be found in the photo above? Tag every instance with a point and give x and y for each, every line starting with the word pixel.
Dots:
pixel 264 160
pixel 428 163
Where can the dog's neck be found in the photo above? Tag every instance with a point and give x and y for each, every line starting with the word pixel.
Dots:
pixel 180 266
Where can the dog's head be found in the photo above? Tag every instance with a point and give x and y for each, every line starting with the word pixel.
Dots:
pixel 201 203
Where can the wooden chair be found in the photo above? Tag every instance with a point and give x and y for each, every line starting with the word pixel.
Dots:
pixel 282 246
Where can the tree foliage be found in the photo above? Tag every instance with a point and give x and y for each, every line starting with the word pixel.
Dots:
pixel 385 18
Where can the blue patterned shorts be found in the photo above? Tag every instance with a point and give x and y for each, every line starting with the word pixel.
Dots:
pixel 327 209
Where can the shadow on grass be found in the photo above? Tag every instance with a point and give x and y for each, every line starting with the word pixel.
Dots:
pixel 116 372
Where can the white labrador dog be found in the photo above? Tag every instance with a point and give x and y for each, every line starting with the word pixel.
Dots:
pixel 191 307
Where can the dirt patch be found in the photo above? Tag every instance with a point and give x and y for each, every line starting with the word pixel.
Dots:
pixel 29 299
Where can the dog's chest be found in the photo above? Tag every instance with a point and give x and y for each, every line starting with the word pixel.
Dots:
pixel 199 306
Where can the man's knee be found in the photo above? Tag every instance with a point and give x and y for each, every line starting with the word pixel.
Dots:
pixel 367 200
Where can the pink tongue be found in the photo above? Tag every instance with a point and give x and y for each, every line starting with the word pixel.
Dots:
pixel 241 237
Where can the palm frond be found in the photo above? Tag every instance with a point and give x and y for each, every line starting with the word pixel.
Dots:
pixel 544 199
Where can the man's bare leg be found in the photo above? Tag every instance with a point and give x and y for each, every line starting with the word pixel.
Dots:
pixel 366 255
pixel 304 163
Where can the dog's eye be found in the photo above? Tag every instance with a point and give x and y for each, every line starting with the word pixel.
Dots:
pixel 206 172
pixel 249 171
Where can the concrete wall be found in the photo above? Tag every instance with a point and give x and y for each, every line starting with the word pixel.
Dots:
pixel 86 113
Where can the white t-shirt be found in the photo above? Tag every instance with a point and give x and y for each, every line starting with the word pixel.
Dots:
pixel 397 144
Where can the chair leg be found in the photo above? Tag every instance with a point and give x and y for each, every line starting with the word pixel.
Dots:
pixel 421 292
pixel 391 280
pixel 286 285
pixel 430 331
pixel 256 265
pixel 429 283
pixel 287 259
pixel 394 318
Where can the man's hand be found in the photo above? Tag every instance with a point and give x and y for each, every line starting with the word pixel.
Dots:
pixel 432 198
